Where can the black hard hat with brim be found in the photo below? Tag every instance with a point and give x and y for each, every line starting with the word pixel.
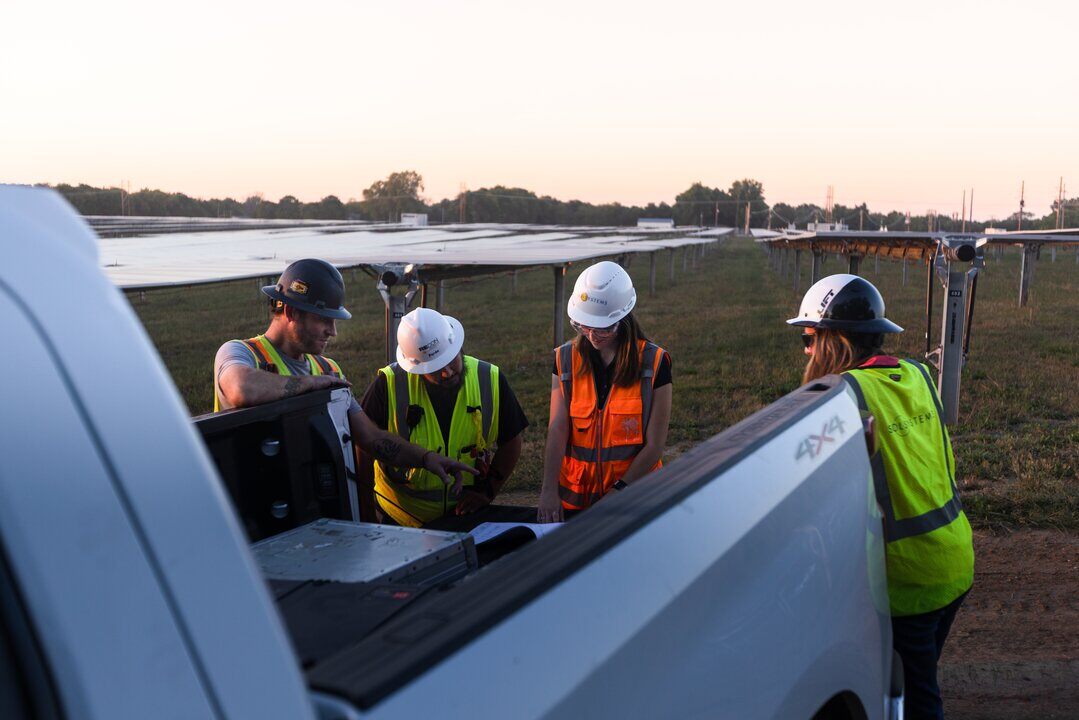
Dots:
pixel 311 285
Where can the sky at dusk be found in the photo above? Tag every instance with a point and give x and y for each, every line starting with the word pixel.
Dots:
pixel 901 105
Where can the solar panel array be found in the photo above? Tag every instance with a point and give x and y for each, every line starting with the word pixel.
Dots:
pixel 189 258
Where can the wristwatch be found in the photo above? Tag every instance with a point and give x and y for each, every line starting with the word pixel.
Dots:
pixel 619 485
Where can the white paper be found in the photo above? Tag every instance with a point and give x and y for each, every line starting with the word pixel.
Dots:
pixel 489 530
pixel 340 401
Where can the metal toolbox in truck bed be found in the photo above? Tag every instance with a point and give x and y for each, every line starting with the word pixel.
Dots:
pixel 350 552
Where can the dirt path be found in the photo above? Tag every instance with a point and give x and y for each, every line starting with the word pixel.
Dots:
pixel 1014 649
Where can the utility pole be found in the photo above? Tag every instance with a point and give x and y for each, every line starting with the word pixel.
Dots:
pixel 125 193
pixel 462 197
pixel 747 218
pixel 715 223
pixel 861 219
pixel 1060 204
pixel 972 209
pixel 964 211
pixel 1022 202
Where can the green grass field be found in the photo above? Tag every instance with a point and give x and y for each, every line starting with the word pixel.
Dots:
pixel 1017 441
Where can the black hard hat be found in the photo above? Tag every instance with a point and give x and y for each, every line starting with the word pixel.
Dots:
pixel 844 302
pixel 311 285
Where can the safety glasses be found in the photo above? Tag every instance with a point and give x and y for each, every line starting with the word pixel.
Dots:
pixel 598 333
pixel 807 339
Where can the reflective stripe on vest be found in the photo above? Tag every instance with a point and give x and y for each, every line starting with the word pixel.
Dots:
pixel 929 545
pixel 267 358
pixel 414 496
pixel 602 441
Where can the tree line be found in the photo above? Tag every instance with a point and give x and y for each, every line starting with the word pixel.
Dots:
pixel 401 192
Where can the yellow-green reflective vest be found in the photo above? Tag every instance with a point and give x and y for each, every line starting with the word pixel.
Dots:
pixel 414 496
pixel 929 550
pixel 267 358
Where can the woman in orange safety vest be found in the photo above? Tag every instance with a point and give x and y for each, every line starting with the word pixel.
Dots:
pixel 610 398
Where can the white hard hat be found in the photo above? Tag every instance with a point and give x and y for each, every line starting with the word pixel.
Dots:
pixel 844 302
pixel 428 341
pixel 602 295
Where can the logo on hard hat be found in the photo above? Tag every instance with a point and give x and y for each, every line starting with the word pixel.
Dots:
pixel 584 297
pixel 299 287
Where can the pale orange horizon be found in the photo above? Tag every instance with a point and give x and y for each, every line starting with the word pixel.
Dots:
pixel 903 108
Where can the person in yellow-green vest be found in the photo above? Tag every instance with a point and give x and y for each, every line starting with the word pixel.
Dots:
pixel 287 360
pixel 449 403
pixel 929 552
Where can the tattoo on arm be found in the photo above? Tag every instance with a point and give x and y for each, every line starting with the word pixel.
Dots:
pixel 387 449
pixel 292 387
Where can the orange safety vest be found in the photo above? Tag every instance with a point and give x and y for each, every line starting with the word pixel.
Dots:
pixel 603 441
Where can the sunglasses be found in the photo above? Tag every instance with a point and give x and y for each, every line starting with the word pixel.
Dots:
pixel 594 332
pixel 807 339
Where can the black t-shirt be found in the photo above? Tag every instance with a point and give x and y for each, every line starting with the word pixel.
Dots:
pixel 604 376
pixel 511 418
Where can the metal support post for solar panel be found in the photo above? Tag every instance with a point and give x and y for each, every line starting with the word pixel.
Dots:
pixel 876 264
pixel 391 276
pixel 513 283
pixel 1053 254
pixel 815 271
pixel 853 261
pixel 960 277
pixel 423 295
pixel 1026 273
pixel 685 259
pixel 559 302
pixel 904 270
pixel 652 273
pixel 671 258
pixel 797 269
pixel 440 295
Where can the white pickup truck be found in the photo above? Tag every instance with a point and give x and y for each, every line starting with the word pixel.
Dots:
pixel 744 580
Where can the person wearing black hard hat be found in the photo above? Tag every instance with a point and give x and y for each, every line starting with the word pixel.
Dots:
pixel 287 360
pixel 929 553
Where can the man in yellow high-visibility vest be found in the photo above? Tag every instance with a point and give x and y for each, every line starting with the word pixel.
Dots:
pixel 287 360
pixel 455 404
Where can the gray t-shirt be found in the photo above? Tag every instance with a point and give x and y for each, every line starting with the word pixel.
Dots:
pixel 234 352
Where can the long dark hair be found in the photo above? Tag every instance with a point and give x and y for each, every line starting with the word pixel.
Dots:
pixel 627 359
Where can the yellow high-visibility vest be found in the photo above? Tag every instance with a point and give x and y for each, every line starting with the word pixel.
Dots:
pixel 929 548
pixel 267 358
pixel 414 496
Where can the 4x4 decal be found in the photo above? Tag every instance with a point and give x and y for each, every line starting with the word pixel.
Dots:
pixel 813 444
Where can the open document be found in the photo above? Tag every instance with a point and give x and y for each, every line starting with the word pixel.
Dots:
pixel 490 530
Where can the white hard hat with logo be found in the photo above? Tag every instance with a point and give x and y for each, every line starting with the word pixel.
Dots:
pixel 428 341
pixel 602 295
pixel 844 302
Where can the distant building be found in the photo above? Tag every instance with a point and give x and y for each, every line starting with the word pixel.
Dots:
pixel 655 222
pixel 827 227
pixel 415 219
